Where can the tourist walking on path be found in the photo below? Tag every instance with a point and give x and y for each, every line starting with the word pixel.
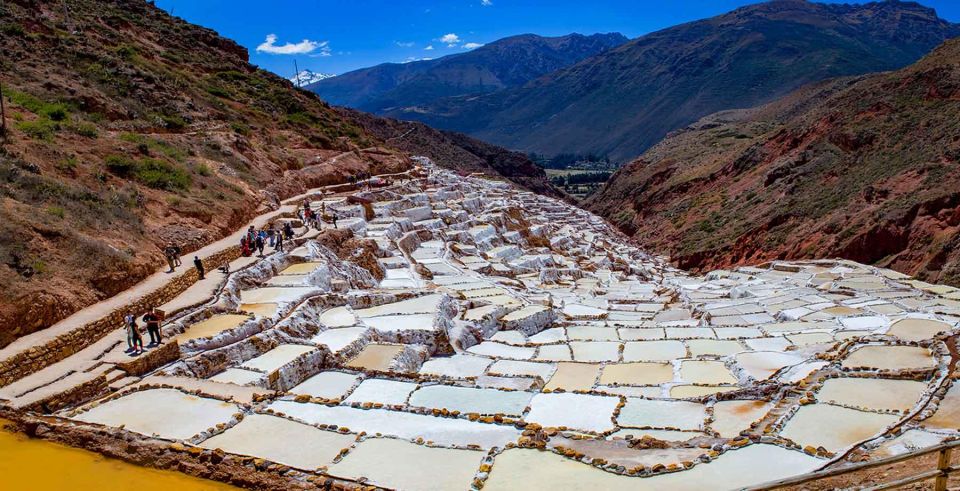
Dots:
pixel 134 340
pixel 170 253
pixel 270 234
pixel 260 244
pixel 197 263
pixel 176 255
pixel 279 242
pixel 152 318
pixel 288 230
pixel 334 219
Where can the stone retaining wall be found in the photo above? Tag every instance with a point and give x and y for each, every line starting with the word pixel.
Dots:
pixel 69 343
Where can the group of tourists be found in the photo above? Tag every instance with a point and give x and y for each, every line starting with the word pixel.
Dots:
pixel 256 241
pixel 311 218
pixel 152 320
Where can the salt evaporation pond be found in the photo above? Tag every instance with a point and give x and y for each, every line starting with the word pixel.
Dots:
pixel 289 443
pixel 537 470
pixel 443 431
pixel 211 327
pixel 833 427
pixel 167 413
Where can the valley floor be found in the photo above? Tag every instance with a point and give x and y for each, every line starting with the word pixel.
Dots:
pixel 466 334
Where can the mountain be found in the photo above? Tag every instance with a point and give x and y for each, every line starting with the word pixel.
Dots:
pixel 127 129
pixel 865 168
pixel 508 62
pixel 624 100
pixel 307 77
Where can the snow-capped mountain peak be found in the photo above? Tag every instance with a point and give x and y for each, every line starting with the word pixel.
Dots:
pixel 308 77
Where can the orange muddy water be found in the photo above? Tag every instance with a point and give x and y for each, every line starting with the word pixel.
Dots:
pixel 39 465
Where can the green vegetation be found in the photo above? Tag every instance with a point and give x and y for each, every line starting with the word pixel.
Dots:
pixel 41 129
pixel 147 145
pixel 151 172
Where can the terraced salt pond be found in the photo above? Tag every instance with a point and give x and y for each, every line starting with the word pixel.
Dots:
pixel 503 353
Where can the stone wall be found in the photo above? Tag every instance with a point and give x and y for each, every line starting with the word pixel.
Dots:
pixel 69 343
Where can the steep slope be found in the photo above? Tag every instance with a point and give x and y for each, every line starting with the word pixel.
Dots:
pixel 508 62
pixel 862 168
pixel 128 129
pixel 624 100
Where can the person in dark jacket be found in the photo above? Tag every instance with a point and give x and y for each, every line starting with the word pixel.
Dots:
pixel 197 263
pixel 152 318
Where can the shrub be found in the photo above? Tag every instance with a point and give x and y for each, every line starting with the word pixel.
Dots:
pixel 41 129
pixel 57 211
pixel 203 170
pixel 120 165
pixel 88 130
pixel 219 91
pixel 161 175
pixel 173 122
pixel 240 128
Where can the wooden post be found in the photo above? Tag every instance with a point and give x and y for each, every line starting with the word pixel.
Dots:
pixel 296 72
pixel 3 114
pixel 943 465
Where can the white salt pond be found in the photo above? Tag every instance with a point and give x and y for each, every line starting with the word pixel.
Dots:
pixel 409 426
pixel 639 373
pixel 408 322
pixel 338 317
pixel 277 357
pixel 653 351
pixel 382 391
pixel 761 365
pixel 238 376
pixel 500 350
pixel 575 411
pixel 426 304
pixel 872 393
pixel 833 427
pixel 328 385
pixel 400 465
pixel 753 464
pixel 281 440
pixel 681 415
pixel 470 400
pixel 456 366
pixel 890 358
pixel 276 294
pixel 167 413
pixel 338 339
pixel 522 368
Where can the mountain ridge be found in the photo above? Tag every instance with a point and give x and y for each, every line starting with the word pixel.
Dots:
pixel 626 99
pixel 507 62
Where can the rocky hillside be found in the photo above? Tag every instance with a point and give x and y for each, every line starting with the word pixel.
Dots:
pixel 127 129
pixel 508 62
pixel 624 100
pixel 456 151
pixel 862 168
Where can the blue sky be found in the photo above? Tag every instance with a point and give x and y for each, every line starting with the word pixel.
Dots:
pixel 336 36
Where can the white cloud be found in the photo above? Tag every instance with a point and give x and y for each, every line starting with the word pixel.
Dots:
pixel 486 3
pixel 412 59
pixel 472 45
pixel 429 47
pixel 269 45
pixel 450 40
pixel 404 44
